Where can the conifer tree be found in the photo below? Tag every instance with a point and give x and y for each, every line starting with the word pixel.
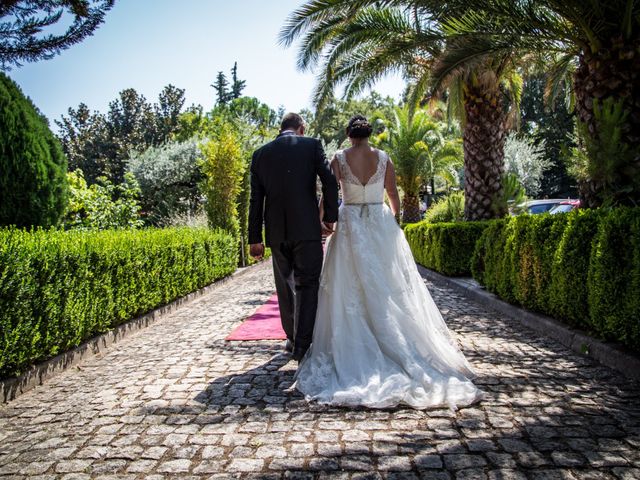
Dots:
pixel 220 86
pixel 24 26
pixel 237 86
pixel 33 183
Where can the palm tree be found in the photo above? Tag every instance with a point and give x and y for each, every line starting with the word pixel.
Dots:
pixel 356 44
pixel 420 153
pixel 596 44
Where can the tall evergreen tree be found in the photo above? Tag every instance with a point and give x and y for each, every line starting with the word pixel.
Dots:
pixel 237 85
pixel 221 87
pixel 24 24
pixel 33 184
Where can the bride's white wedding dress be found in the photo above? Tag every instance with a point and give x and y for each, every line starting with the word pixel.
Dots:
pixel 379 338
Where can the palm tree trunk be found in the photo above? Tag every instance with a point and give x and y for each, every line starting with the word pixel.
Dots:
pixel 410 208
pixel 613 71
pixel 484 137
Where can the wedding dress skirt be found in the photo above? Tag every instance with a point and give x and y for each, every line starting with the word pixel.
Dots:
pixel 379 338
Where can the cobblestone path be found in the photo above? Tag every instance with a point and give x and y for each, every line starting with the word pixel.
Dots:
pixel 176 401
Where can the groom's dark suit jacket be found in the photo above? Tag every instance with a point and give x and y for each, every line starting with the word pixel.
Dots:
pixel 283 190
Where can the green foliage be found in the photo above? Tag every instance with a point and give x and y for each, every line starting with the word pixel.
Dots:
pixel 61 288
pixel 614 277
pixel 251 123
pixel 444 247
pixel 420 151
pixel 447 209
pixel 225 92
pixel 605 165
pixel 510 196
pixel 570 269
pixel 526 161
pixel 329 122
pixel 27 26
pixel 33 184
pixel 582 267
pixel 549 124
pixel 101 144
pixel 102 206
pixel 223 167
pixel 169 176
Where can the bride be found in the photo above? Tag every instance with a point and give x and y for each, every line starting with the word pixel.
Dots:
pixel 379 339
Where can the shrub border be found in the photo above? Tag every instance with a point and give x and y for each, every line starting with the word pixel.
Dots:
pixel 13 387
pixel 612 355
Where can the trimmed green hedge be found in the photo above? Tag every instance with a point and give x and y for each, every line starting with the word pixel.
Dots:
pixel 444 247
pixel 58 288
pixel 582 268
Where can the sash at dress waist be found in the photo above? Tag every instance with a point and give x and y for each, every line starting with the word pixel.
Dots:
pixel 364 206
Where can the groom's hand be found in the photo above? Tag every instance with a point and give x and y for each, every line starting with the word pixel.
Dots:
pixel 328 228
pixel 256 250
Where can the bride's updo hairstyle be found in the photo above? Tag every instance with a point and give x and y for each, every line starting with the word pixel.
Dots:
pixel 359 127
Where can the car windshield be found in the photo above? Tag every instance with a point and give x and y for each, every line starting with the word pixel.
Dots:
pixel 545 207
pixel 562 208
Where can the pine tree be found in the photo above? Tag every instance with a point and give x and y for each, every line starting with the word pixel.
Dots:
pixel 222 93
pixel 22 23
pixel 33 183
pixel 237 86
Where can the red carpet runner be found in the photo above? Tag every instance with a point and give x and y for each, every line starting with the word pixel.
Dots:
pixel 264 324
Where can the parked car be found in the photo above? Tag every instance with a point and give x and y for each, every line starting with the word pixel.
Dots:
pixel 566 206
pixel 540 206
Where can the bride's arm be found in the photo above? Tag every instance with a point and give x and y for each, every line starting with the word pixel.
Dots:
pixel 391 187
pixel 336 173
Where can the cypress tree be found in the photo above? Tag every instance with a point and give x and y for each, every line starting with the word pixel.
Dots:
pixel 33 182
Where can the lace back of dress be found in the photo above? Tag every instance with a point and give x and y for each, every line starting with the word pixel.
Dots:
pixel 349 177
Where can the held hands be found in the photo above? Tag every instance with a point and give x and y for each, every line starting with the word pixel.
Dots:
pixel 327 228
pixel 256 250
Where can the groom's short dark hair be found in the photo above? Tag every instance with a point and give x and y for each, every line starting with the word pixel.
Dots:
pixel 291 121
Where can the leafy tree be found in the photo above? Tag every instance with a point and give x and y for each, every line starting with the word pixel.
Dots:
pixel 169 176
pixel 167 112
pixel 85 141
pixel 551 124
pixel 130 122
pixel 223 167
pixel 102 206
pixel 526 161
pixel 101 144
pixel 24 24
pixel 331 118
pixel 33 185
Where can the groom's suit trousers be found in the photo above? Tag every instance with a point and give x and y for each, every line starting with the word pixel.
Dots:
pixel 296 267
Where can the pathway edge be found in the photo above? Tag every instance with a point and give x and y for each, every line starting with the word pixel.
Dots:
pixel 13 387
pixel 608 354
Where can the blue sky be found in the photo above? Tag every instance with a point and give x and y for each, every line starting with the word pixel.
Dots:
pixel 147 44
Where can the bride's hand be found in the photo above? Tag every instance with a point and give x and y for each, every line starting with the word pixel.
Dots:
pixel 327 228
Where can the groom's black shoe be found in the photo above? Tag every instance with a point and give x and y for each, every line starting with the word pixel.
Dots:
pixel 298 353
pixel 288 347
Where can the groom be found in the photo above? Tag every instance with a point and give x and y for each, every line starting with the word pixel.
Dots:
pixel 283 197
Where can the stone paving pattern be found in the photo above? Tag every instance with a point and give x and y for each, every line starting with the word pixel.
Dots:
pixel 177 401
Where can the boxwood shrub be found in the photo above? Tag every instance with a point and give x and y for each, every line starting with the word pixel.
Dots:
pixel 58 288
pixel 582 268
pixel 444 247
